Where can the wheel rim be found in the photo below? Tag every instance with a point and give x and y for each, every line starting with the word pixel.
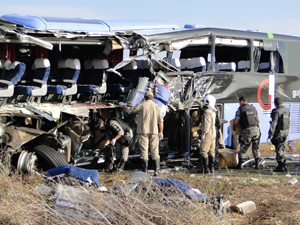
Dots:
pixel 27 162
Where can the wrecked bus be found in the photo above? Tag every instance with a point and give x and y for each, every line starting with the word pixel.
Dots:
pixel 59 75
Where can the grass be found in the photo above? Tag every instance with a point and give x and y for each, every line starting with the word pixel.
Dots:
pixel 150 204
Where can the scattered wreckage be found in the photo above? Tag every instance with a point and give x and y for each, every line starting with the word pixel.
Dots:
pixel 59 75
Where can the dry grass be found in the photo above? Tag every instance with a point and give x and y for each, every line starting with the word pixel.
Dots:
pixel 149 204
pixel 21 204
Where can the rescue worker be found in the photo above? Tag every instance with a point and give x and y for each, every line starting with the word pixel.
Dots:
pixel 208 136
pixel 119 134
pixel 248 116
pixel 279 131
pixel 149 128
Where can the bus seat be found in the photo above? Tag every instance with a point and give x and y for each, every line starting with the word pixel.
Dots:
pixel 98 83
pixel 140 68
pixel 185 64
pixel 86 76
pixel 197 64
pixel 146 71
pixel 156 66
pixel 264 67
pixel 12 76
pixel 4 67
pixel 162 93
pixel 176 63
pixel 38 86
pixel 128 80
pixel 225 66
pixel 243 66
pixel 68 85
pixel 61 69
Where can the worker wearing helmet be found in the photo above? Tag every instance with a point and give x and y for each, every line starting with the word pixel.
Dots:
pixel 208 137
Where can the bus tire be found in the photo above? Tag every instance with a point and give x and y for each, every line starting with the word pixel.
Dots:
pixel 48 158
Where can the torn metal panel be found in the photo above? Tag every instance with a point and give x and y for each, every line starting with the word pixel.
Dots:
pixel 39 112
pixel 20 136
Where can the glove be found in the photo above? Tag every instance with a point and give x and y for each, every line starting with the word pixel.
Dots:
pixel 203 137
pixel 269 141
pixel 160 136
pixel 113 142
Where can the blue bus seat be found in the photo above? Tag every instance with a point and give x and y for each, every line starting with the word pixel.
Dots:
pixel 197 64
pixel 4 67
pixel 162 93
pixel 176 63
pixel 146 71
pixel 225 66
pixel 122 85
pixel 185 64
pixel 68 85
pixel 10 79
pixel 264 67
pixel 97 82
pixel 61 69
pixel 243 66
pixel 38 86
pixel 86 76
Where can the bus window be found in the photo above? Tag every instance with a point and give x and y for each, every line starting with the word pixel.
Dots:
pixel 270 62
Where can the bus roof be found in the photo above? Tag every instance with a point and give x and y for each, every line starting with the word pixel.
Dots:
pixel 48 23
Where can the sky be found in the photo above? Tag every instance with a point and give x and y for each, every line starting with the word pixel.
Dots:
pixel 272 16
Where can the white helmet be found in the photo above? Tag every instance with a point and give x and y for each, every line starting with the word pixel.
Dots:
pixel 210 101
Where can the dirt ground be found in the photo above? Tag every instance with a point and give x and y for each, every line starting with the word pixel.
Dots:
pixel 276 201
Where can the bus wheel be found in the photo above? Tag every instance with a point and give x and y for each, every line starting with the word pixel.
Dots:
pixel 47 157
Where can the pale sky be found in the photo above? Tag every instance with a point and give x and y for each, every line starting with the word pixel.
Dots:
pixel 274 16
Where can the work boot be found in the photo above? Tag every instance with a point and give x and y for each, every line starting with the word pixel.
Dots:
pixel 256 163
pixel 157 167
pixel 280 167
pixel 121 165
pixel 144 165
pixel 204 168
pixel 109 167
pixel 239 166
pixel 211 161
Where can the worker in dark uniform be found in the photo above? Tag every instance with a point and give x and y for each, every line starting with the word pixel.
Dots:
pixel 248 116
pixel 119 134
pixel 278 133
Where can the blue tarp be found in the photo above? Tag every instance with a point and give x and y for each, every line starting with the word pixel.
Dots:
pixel 184 188
pixel 76 172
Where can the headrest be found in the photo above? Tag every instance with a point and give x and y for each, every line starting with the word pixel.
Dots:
pixel 41 63
pixel 62 64
pixel 130 66
pixel 185 63
pixel 33 67
pixel 88 64
pixel 197 62
pixel 73 64
pixel 140 64
pixel 145 64
pixel 264 65
pixel 176 63
pixel 6 64
pixel 14 64
pixel 100 64
pixel 244 64
pixel 225 66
